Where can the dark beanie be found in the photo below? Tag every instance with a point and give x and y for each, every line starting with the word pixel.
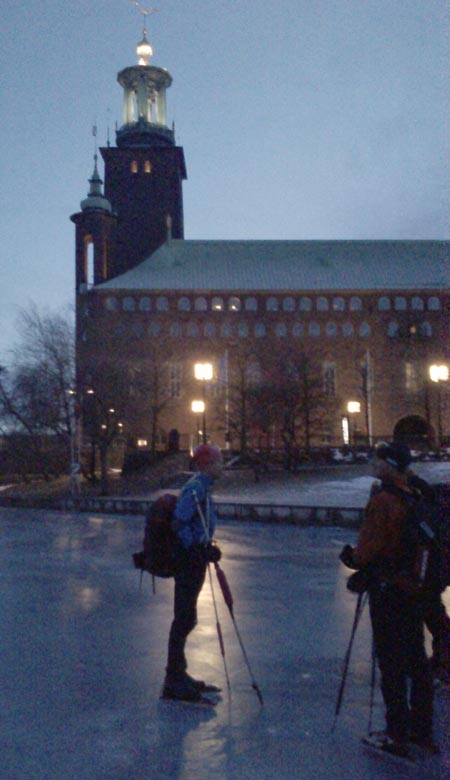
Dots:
pixel 397 455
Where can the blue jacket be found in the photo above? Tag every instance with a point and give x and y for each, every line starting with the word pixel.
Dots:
pixel 187 523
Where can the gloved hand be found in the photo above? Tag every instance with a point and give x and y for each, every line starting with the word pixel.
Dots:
pixel 346 556
pixel 212 553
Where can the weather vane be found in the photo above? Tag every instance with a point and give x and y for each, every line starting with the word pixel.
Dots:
pixel 142 10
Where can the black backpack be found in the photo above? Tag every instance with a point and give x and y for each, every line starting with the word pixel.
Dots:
pixel 158 553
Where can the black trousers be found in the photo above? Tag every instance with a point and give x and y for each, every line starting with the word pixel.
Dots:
pixel 406 679
pixel 438 624
pixel 189 579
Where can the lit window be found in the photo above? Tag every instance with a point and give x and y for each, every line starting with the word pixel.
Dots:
pixel 272 304
pixel 322 304
pixel 417 303
pixel 176 330
pixel 251 304
pixel 128 304
pixel 260 330
pixel 145 304
pixel 217 304
pixel 384 303
pixel 210 330
pixel 280 330
pixel 392 329
pixel 355 303
pixel 134 166
pixel 201 304
pixel 364 330
pixel 347 329
pixel 314 329
pixel 193 331
pixel 184 304
pixel 243 330
pixel 234 304
pixel 226 331
pixel 147 166
pixel 434 303
pixel 298 330
pixel 288 304
pixel 162 303
pixel 338 304
pixel 331 329
pixel 400 303
pixel 305 304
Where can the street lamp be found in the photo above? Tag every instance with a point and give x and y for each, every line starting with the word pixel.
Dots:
pixel 353 407
pixel 198 407
pixel 438 374
pixel 204 373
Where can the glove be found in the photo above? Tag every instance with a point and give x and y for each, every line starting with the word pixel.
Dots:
pixel 346 556
pixel 212 553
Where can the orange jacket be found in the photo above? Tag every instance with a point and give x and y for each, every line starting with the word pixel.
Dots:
pixel 381 533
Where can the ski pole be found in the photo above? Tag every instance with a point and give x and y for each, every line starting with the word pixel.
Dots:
pixel 228 598
pixel 219 629
pixel 358 611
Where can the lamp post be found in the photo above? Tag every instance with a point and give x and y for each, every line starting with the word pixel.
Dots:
pixel 353 407
pixel 198 407
pixel 438 374
pixel 204 373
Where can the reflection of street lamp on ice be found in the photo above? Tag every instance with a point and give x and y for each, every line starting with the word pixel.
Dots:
pixel 439 374
pixel 204 373
pixel 353 407
pixel 198 407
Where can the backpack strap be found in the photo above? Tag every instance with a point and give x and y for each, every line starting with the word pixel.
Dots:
pixel 204 520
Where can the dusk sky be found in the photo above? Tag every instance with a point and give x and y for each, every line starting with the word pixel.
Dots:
pixel 300 119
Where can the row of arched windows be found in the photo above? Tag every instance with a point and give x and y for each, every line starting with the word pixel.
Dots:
pixel 272 303
pixel 244 330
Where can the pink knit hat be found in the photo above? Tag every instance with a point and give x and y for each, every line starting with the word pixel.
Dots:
pixel 205 455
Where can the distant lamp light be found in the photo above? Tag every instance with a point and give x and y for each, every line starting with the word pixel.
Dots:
pixel 203 371
pixel 353 407
pixel 439 373
pixel 198 407
pixel 142 442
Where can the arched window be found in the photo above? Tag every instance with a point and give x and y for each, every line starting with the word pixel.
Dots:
pixel 243 330
pixel 234 304
pixel 400 303
pixel 111 303
pixel 348 329
pixel 137 330
pixel 280 330
pixel 210 330
pixel 288 304
pixel 322 303
pixel 425 329
pixel 260 330
pixel 193 331
pixel 226 330
pixel 298 330
pixel 134 166
pixel 434 303
pixel 392 329
pixel 364 330
pixel 147 166
pixel 338 304
pixel 201 304
pixel 154 329
pixel 128 304
pixel 417 303
pixel 176 331
pixel 272 304
pixel 162 303
pixel 314 329
pixel 305 304
pixel 217 304
pixel 384 303
pixel 355 303
pixel 145 304
pixel 331 329
pixel 251 304
pixel 184 304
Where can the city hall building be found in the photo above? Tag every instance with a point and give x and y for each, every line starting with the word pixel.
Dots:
pixel 195 327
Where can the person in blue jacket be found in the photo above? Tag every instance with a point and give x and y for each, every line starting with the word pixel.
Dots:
pixel 194 524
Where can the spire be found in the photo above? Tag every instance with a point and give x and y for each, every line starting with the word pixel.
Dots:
pixel 95 199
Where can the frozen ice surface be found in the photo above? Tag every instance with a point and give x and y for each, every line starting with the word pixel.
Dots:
pixel 82 655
